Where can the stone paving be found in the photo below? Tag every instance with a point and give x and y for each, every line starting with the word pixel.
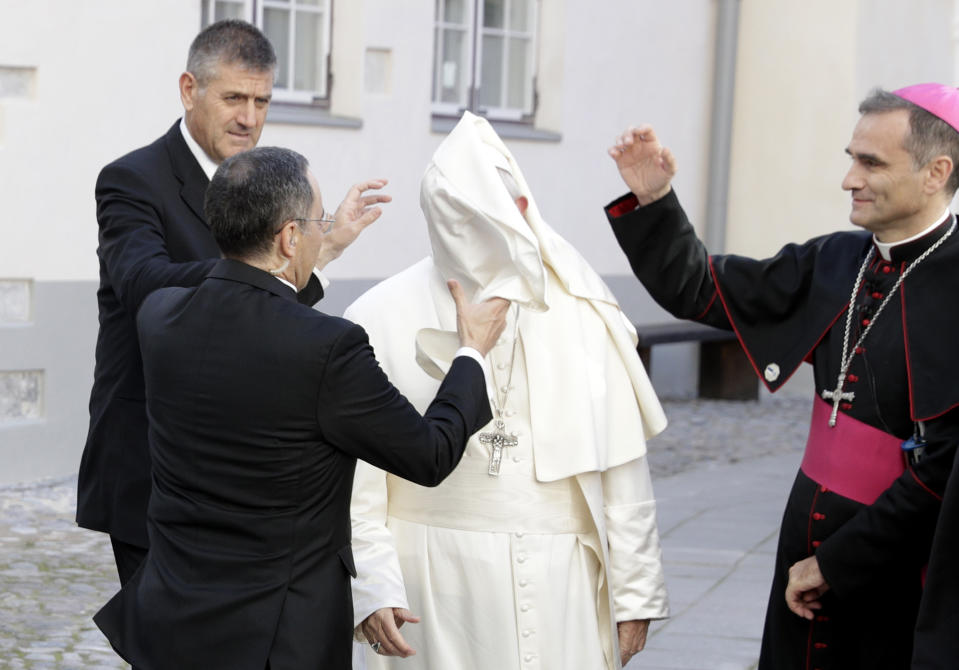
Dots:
pixel 54 576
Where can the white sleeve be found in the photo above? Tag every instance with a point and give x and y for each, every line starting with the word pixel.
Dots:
pixel 637 582
pixel 379 582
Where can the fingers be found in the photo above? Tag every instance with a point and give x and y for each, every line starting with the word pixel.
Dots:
pixel 402 615
pixel 457 292
pixel 803 604
pixel 667 161
pixel 381 627
pixel 370 184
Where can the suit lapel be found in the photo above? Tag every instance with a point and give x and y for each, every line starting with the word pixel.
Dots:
pixel 193 181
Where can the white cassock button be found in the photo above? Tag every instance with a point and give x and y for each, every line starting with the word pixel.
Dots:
pixel 527 633
pixel 771 373
pixel 510 412
pixel 501 366
pixel 524 608
pixel 523 583
pixel 516 459
pixel 521 558
pixel 520 534
pixel 528 658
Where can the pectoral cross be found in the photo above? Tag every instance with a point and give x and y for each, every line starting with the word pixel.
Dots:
pixel 497 440
pixel 835 397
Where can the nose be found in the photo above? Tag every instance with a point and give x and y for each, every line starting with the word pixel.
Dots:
pixel 246 116
pixel 853 180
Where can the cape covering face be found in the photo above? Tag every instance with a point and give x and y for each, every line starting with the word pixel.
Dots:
pixel 477 233
pixel 593 411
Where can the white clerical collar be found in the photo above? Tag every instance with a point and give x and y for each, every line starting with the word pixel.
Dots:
pixel 885 248
pixel 209 167
pixel 278 278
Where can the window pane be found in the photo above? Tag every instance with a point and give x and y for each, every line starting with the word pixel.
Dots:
pixel 204 13
pixel 227 10
pixel 453 74
pixel 314 3
pixel 276 27
pixel 309 49
pixel 518 73
pixel 454 11
pixel 493 13
pixel 491 84
pixel 519 14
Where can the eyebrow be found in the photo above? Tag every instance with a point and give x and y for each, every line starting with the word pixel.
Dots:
pixel 869 157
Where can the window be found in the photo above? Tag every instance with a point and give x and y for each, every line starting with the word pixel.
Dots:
pixel 484 58
pixel 300 33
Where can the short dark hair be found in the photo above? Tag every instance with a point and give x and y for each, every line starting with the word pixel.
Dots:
pixel 252 194
pixel 929 136
pixel 229 41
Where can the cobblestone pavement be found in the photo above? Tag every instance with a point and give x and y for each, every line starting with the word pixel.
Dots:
pixel 54 576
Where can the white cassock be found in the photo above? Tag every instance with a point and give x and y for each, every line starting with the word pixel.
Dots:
pixel 530 568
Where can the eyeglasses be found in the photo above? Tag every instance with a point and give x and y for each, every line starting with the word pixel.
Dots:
pixel 325 218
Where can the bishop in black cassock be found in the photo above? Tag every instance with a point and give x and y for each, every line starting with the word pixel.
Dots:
pixel 883 430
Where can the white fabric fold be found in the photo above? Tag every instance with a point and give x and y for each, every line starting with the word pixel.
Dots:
pixel 590 369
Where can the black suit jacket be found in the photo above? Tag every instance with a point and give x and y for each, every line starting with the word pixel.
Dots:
pixel 152 234
pixel 259 408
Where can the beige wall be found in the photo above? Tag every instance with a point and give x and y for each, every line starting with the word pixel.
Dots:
pixel 802 69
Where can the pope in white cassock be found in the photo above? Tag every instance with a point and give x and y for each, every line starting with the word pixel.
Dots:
pixel 540 550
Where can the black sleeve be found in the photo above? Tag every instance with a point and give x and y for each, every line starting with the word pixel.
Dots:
pixel 131 238
pixel 895 532
pixel 667 257
pixel 362 413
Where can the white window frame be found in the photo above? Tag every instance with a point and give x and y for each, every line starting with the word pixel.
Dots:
pixel 253 12
pixel 475 31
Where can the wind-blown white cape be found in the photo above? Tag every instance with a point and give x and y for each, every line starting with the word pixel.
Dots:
pixel 591 406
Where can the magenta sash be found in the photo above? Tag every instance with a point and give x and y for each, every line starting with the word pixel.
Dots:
pixel 853 459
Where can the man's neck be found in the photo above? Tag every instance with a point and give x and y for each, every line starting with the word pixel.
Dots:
pixel 885 248
pixel 206 163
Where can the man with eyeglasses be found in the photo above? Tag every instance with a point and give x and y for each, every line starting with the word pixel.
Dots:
pixel 259 409
pixel 153 233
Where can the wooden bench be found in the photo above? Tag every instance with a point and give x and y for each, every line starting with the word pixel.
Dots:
pixel 724 371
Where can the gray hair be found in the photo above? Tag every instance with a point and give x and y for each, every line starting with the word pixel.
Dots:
pixel 929 136
pixel 252 194
pixel 233 42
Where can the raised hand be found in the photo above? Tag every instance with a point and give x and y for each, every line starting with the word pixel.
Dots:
pixel 355 213
pixel 645 165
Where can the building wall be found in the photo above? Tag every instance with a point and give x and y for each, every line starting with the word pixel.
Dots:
pixel 82 83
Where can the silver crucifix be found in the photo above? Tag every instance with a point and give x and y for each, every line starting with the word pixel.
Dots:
pixel 497 440
pixel 835 397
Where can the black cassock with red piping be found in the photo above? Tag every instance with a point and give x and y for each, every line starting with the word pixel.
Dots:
pixel 859 503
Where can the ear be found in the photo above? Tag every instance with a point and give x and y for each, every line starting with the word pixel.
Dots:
pixel 189 90
pixel 523 204
pixel 289 236
pixel 940 169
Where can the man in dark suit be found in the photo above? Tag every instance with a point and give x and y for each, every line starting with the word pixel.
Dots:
pixel 153 234
pixel 259 407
